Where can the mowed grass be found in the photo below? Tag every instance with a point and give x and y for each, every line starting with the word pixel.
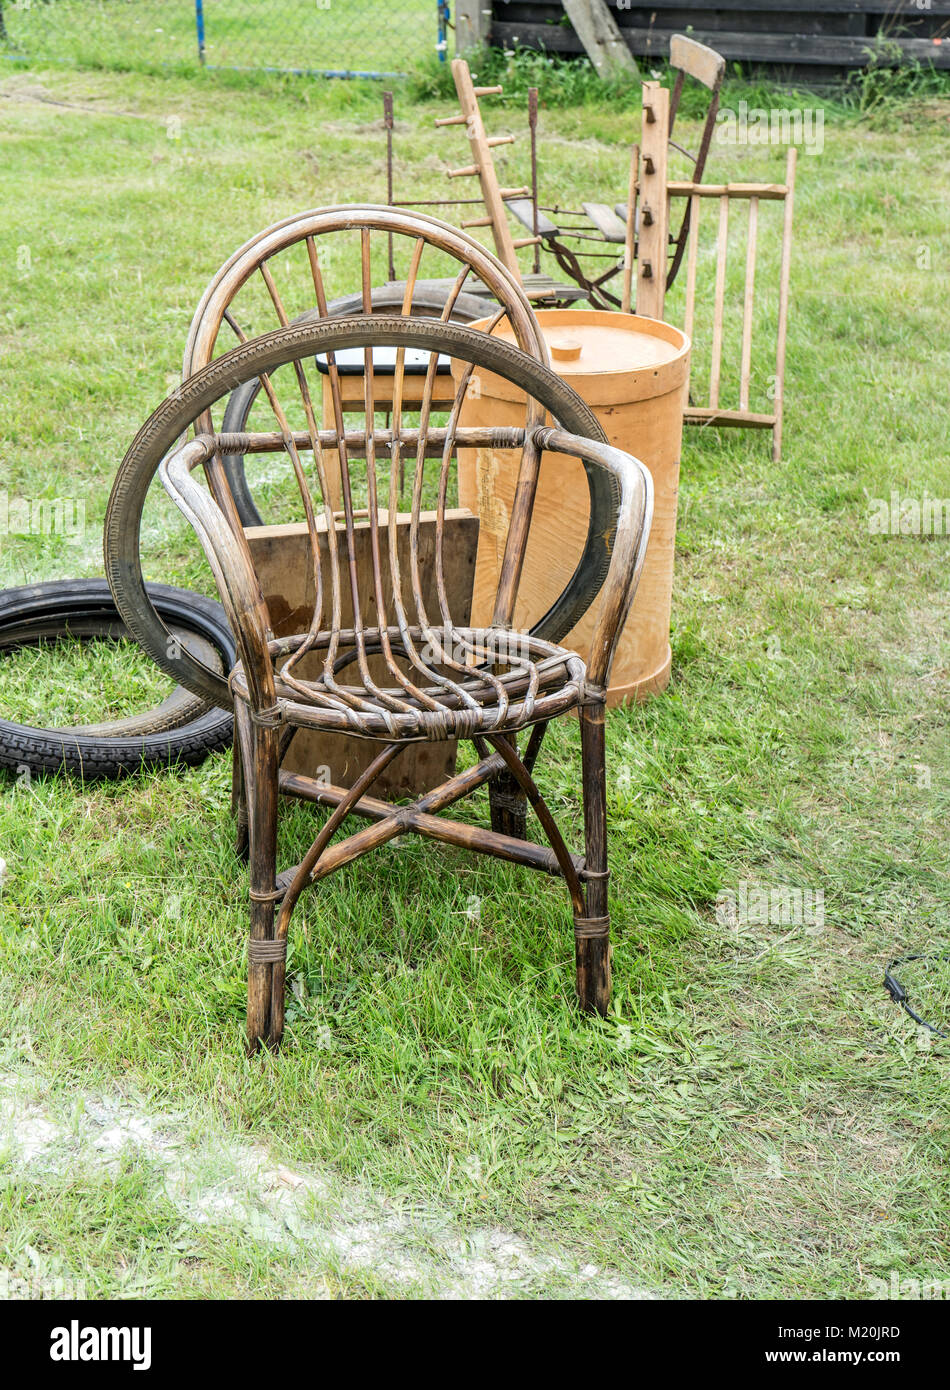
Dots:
pixel 755 1118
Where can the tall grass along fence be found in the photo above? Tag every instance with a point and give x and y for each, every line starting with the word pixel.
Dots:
pixel 345 38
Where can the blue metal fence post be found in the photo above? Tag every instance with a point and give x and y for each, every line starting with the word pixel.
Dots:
pixel 200 27
pixel 444 20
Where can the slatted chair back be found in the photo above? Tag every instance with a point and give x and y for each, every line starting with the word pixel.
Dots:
pixel 321 242
pixel 751 195
pixel 323 235
pixel 328 488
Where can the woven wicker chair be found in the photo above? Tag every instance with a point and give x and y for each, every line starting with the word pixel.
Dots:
pixel 443 680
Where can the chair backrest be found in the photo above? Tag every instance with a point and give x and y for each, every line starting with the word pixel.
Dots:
pixel 357 224
pixel 294 271
pixel 707 67
pixel 386 614
pixel 692 59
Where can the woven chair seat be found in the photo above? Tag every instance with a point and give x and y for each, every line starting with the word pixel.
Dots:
pixel 515 680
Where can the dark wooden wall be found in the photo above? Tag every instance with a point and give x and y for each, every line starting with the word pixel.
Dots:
pixel 817 37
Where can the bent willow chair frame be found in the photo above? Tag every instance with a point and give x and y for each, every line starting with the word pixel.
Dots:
pixel 378 660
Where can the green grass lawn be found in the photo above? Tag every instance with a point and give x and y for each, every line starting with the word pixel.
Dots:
pixel 755 1118
pixel 361 35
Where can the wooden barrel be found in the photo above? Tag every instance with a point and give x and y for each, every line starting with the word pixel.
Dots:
pixel 634 373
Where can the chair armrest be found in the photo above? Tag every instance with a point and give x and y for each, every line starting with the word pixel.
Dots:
pixel 634 518
pixel 234 573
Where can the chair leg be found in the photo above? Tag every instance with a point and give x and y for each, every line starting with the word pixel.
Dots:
pixel 260 776
pixel 592 933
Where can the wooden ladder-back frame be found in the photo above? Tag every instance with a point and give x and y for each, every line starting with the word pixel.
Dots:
pixel 483 168
pixel 654 204
pixel 594 225
pixel 725 194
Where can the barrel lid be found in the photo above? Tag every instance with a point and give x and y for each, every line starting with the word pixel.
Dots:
pixel 625 356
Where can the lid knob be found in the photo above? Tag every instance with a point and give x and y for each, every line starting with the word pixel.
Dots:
pixel 565 349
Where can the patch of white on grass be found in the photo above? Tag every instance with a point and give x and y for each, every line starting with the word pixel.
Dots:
pixel 214 1179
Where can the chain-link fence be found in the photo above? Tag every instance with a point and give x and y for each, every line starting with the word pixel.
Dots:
pixel 343 37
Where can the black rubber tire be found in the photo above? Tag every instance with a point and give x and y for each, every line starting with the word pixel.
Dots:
pixel 428 301
pixel 183 729
pixel 173 418
pixel 36 613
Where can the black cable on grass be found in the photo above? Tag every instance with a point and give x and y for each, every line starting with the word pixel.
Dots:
pixel 899 994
